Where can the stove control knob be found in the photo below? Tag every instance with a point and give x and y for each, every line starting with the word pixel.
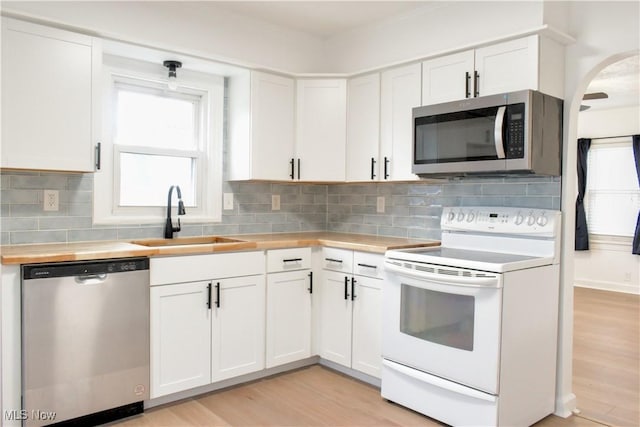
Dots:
pixel 451 216
pixel 519 218
pixel 471 216
pixel 531 219
pixel 460 216
pixel 542 220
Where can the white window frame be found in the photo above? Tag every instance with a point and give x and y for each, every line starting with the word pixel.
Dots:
pixel 209 155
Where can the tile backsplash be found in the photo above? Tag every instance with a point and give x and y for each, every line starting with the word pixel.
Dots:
pixel 411 209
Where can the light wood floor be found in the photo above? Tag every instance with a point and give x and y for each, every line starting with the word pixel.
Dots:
pixel 605 382
pixel 606 356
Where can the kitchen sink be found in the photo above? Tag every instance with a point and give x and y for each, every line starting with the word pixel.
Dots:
pixel 184 241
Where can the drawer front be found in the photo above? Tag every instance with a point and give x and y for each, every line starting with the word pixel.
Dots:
pixel 288 259
pixel 368 264
pixel 337 260
pixel 193 268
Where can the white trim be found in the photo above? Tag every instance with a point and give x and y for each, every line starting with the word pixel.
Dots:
pixel 209 164
pixel 605 285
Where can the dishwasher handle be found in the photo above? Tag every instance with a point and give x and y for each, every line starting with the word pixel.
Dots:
pixel 91 279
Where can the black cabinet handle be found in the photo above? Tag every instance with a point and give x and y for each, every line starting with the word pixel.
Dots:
pixel 333 260
pixel 292 175
pixel 476 84
pixel 292 260
pixel 346 288
pixel 373 168
pixel 298 169
pixel 209 296
pixel 386 168
pixel 467 78
pixel 218 294
pixel 310 288
pixel 353 288
pixel 367 265
pixel 98 156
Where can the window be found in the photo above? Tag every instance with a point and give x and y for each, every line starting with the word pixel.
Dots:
pixel 155 138
pixel 612 197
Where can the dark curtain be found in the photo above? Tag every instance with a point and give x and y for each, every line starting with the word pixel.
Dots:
pixel 636 154
pixel 582 233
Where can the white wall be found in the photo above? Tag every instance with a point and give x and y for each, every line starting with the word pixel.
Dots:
pixel 185 27
pixel 609 264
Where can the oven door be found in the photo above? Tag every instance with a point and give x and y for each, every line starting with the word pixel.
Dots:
pixel 444 321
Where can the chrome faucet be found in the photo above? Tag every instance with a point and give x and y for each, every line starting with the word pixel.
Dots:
pixel 169 229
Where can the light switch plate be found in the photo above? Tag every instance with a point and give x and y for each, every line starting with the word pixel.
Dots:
pixel 51 200
pixel 227 201
pixel 275 202
pixel 380 204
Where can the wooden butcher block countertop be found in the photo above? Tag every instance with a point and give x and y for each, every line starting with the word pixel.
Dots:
pixel 82 251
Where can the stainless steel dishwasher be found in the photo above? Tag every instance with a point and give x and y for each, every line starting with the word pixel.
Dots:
pixel 85 341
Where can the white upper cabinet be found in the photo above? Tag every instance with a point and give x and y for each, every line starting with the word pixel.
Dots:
pixel 363 128
pixel 268 149
pixel 321 129
pixel 532 62
pixel 49 87
pixel 400 92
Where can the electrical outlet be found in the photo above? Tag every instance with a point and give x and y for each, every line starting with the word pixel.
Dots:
pixel 275 202
pixel 51 201
pixel 627 276
pixel 227 201
pixel 380 204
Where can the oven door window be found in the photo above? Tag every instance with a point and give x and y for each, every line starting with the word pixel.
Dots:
pixel 456 137
pixel 437 317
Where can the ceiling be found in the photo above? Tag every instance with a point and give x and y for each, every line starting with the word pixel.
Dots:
pixel 621 81
pixel 322 19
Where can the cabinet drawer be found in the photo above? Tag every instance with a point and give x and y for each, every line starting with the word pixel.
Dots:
pixel 192 268
pixel 368 264
pixel 337 259
pixel 288 259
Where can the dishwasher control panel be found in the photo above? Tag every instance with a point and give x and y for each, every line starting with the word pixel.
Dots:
pixel 80 268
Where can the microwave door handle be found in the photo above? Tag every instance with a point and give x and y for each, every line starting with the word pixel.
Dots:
pixel 497 132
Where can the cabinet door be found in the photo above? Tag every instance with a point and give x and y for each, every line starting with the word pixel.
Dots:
pixel 508 66
pixel 47 102
pixel 288 317
pixel 447 78
pixel 363 128
pixel 335 318
pixel 321 129
pixel 180 337
pixel 238 326
pixel 367 326
pixel 272 126
pixel 400 92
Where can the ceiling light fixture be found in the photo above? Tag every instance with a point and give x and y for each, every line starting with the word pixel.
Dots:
pixel 172 65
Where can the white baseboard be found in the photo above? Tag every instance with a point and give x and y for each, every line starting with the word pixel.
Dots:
pixel 608 286
pixel 565 405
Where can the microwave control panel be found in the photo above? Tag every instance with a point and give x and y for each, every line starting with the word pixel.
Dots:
pixel 515 131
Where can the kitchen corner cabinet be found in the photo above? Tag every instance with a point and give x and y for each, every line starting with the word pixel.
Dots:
pixel 363 128
pixel 321 130
pixel 532 62
pixel 400 93
pixel 207 319
pixel 49 97
pixel 350 310
pixel 289 294
pixel 265 151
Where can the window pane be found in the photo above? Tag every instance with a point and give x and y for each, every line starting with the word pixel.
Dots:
pixel 155 120
pixel 145 179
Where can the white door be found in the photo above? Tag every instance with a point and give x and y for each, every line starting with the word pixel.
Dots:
pixel 367 326
pixel 238 326
pixel 335 317
pixel 47 102
pixel 288 317
pixel 448 78
pixel 509 66
pixel 321 129
pixel 400 92
pixel 180 337
pixel 272 126
pixel 363 128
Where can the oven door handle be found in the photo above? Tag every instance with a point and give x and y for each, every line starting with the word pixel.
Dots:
pixel 438 382
pixel 473 282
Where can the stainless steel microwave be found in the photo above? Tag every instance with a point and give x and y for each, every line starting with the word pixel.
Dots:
pixel 517 132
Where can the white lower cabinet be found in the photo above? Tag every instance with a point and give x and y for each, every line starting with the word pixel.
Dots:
pixel 350 317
